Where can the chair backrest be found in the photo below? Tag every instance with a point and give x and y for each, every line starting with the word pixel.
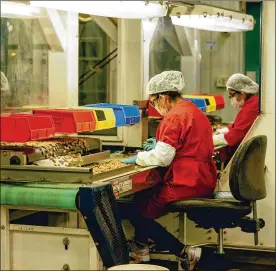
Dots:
pixel 99 208
pixel 246 179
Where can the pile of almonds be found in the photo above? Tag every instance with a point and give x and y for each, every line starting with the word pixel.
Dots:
pixel 52 147
pixel 108 166
pixel 71 160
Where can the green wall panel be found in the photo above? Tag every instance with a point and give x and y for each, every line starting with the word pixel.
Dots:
pixel 253 41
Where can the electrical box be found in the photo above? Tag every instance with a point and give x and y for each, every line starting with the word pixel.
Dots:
pixel 221 81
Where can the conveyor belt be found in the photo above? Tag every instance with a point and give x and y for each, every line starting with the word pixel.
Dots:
pixel 41 197
pixel 62 196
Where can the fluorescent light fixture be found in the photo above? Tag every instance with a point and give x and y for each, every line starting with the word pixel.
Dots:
pixel 118 9
pixel 210 18
pixel 18 10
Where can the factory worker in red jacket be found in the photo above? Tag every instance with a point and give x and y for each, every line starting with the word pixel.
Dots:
pixel 183 154
pixel 242 92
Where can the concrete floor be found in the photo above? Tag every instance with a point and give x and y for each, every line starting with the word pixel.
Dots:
pixel 234 260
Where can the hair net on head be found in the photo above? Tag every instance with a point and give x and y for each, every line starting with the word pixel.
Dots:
pixel 241 82
pixel 166 81
pixel 4 83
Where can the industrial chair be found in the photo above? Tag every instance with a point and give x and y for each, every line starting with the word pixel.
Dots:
pixel 99 209
pixel 247 185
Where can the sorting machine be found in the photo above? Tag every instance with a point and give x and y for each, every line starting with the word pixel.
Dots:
pixel 38 159
pixel 44 163
pixel 46 174
pixel 40 164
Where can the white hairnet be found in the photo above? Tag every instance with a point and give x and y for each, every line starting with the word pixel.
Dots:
pixel 4 83
pixel 241 82
pixel 166 81
pixel 5 91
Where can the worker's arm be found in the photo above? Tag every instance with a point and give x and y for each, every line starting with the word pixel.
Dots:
pixel 219 140
pixel 164 152
pixel 223 130
pixel 230 126
pixel 241 126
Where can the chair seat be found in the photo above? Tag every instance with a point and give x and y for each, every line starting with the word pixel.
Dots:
pixel 221 202
pixel 210 205
pixel 212 213
pixel 221 211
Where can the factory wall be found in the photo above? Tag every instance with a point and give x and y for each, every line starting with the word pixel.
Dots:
pixel 222 55
pixel 266 124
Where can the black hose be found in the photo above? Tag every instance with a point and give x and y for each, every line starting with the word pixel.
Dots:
pixel 85 79
pixel 97 64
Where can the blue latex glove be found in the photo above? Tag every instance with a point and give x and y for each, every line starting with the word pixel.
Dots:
pixel 150 144
pixel 131 160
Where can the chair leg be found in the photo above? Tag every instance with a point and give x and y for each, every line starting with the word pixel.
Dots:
pixel 220 249
pixel 182 227
pixel 256 236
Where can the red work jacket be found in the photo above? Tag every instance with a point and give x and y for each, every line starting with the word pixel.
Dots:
pixel 238 130
pixel 244 120
pixel 189 131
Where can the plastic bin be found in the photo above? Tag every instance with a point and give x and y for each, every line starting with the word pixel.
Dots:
pixel 210 101
pixel 104 117
pixel 220 103
pixel 68 121
pixel 124 114
pixel 199 102
pixel 26 127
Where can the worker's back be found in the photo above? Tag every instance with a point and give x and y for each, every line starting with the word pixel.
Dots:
pixel 193 164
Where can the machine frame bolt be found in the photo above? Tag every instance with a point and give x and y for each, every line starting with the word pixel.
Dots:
pixel 66 242
pixel 66 267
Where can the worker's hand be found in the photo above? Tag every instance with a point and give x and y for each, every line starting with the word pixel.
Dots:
pixel 131 160
pixel 150 144
pixel 222 131
pixel 219 140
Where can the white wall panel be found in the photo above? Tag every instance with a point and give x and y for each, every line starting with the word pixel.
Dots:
pixel 222 55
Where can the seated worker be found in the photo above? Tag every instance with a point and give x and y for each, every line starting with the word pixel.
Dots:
pixel 183 154
pixel 242 92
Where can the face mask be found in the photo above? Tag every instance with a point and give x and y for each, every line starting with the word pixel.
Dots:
pixel 235 103
pixel 162 112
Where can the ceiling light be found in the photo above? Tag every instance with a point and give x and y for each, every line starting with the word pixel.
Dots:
pixel 210 18
pixel 118 9
pixel 18 10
